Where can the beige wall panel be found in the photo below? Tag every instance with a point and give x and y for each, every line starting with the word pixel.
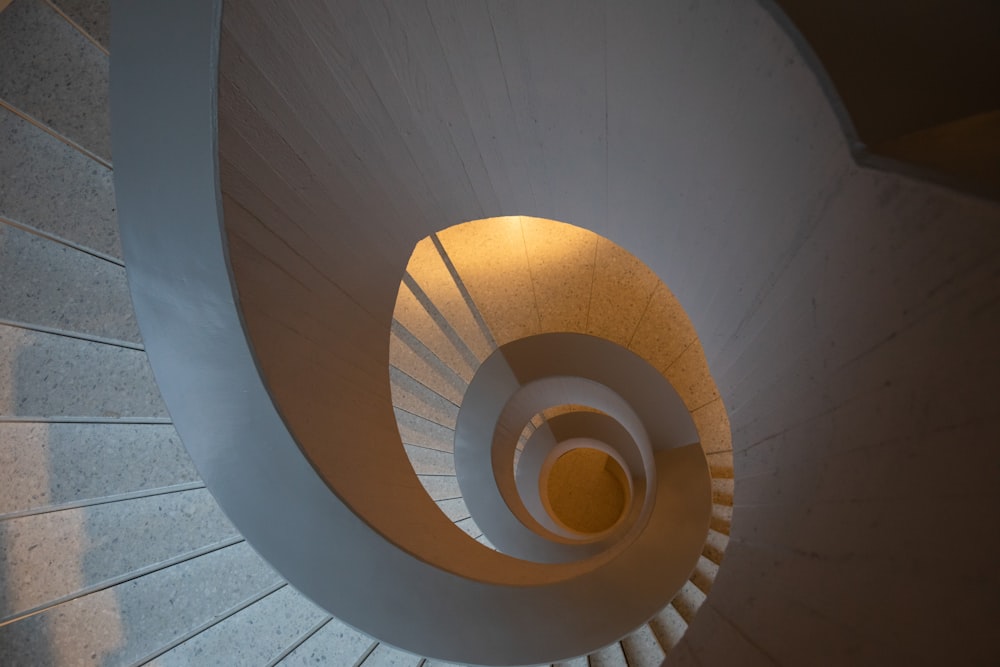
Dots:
pixel 492 262
pixel 690 377
pixel 713 428
pixel 664 331
pixel 561 258
pixel 720 464
pixel 620 295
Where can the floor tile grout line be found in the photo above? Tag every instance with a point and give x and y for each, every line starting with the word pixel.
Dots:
pixel 401 371
pixel 103 500
pixel 80 29
pixel 191 634
pixel 364 656
pixel 428 447
pixel 62 419
pixel 431 358
pixel 121 579
pixel 48 130
pixel 110 259
pixel 426 419
pixel 443 324
pixel 76 335
pixel 299 641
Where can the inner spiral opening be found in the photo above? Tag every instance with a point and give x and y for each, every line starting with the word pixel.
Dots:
pixel 587 490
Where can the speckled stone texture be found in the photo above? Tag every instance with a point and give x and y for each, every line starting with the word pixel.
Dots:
pixel 620 294
pixel 668 627
pixel 574 662
pixel 664 332
pixel 430 461
pixel 252 636
pixel 47 464
pixel 439 337
pixel 561 259
pixel 53 285
pixel 93 16
pixel 642 648
pixel 55 188
pixel 46 375
pixel 441 487
pixel 387 656
pixel 416 398
pixel 431 275
pixel 454 508
pixel 414 430
pixel 413 358
pixel 469 527
pixel 704 574
pixel 609 656
pixel 335 644
pixel 128 622
pixel 492 262
pixel 54 74
pixel 47 556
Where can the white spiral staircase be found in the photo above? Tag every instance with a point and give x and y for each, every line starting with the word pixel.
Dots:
pixel 112 550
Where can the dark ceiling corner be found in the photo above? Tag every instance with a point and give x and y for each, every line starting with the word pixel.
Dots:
pixel 919 80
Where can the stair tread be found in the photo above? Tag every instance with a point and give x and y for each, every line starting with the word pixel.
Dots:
pixel 469 527
pixel 59 287
pixel 454 508
pixel 409 356
pixel 440 487
pixel 53 73
pixel 55 188
pixel 84 547
pixel 609 656
pixel 414 430
pixel 387 656
pixel 253 636
pixel 336 643
pixel 704 574
pixel 412 315
pixel 123 624
pixel 57 376
pixel 688 601
pixel 94 16
pixel 417 399
pixel 433 278
pixel 430 461
pixel 642 648
pixel 669 627
pixel 715 546
pixel 48 464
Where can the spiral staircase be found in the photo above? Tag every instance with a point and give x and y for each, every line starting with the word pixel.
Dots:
pixel 113 551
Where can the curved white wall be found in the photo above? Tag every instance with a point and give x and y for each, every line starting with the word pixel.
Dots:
pixel 848 316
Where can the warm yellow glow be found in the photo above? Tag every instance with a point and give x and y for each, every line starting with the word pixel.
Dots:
pixel 587 490
pixel 497 280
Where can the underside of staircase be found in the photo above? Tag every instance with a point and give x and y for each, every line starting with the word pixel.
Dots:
pixel 113 551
